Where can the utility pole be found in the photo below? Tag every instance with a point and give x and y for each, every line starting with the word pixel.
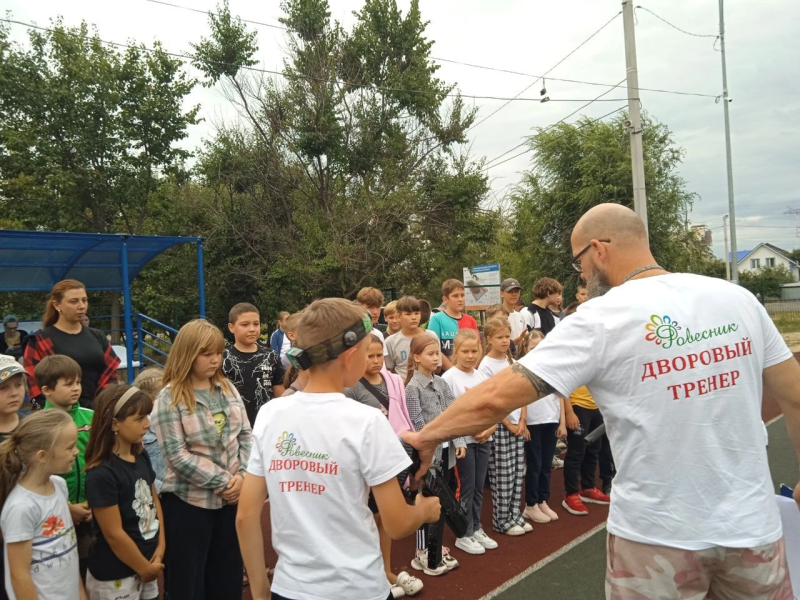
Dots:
pixel 728 257
pixel 634 123
pixel 729 161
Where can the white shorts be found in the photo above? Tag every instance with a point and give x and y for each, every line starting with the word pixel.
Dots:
pixel 130 588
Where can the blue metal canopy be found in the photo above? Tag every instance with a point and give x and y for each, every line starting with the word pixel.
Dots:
pixel 34 261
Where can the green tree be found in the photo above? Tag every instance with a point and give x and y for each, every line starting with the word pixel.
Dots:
pixel 88 132
pixel 347 170
pixel 766 281
pixel 579 166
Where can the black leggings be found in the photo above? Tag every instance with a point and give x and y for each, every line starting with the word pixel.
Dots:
pixel 202 561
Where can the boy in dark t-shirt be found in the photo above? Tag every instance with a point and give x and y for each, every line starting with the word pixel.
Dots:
pixel 253 368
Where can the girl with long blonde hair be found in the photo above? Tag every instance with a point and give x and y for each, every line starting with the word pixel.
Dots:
pixel 205 438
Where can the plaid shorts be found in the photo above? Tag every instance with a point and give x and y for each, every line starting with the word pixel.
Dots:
pixel 637 571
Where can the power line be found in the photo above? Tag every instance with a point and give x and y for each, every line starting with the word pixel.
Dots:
pixel 457 62
pixel 699 35
pixel 581 45
pixel 595 83
pixel 208 12
pixel 187 57
pixel 529 150
pixel 597 99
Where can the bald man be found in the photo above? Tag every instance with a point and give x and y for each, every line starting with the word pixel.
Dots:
pixel 676 363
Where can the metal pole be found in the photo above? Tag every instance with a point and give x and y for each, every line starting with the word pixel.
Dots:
pixel 126 294
pixel 728 160
pixel 728 256
pixel 634 124
pixel 201 284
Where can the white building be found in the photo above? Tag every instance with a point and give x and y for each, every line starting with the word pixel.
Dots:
pixel 765 256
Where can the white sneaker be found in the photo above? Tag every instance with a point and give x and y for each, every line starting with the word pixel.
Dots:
pixel 484 540
pixel 514 530
pixel 409 584
pixel 561 445
pixel 449 562
pixel 470 546
pixel 534 513
pixel 527 527
pixel 557 463
pixel 548 511
pixel 420 563
pixel 397 591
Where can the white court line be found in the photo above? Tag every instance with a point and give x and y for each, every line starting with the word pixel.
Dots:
pixel 771 421
pixel 561 551
pixel 545 561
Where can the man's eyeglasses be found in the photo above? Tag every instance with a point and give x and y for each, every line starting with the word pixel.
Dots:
pixel 576 261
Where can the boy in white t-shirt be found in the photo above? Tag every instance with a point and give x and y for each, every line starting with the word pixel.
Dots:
pixel 319 453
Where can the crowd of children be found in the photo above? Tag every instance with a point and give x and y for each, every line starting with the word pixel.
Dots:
pixel 165 480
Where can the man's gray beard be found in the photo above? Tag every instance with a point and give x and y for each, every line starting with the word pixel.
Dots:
pixel 598 285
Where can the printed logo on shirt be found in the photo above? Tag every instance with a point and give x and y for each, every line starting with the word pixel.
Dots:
pixel 403 355
pixel 52 526
pixel 288 445
pixel 666 332
pixel 219 421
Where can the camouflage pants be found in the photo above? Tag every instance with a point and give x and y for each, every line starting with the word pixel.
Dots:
pixel 643 572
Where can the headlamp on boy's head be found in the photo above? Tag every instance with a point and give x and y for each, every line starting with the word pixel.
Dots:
pixel 331 348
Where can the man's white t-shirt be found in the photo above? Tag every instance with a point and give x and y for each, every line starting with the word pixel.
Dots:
pixel 320 454
pixel 460 382
pixel 675 363
pixel 491 367
pixel 44 520
pixel 546 410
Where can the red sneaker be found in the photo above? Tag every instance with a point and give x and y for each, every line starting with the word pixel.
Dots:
pixel 595 496
pixel 574 505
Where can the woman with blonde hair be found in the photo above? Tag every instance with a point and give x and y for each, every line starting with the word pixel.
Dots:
pixel 205 438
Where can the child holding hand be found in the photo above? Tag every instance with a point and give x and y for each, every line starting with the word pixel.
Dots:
pixel 427 396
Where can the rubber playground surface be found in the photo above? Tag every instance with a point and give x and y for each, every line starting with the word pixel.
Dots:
pixel 564 560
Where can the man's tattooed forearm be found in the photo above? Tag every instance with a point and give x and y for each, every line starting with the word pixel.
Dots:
pixel 542 387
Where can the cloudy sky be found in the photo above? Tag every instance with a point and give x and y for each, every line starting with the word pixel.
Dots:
pixel 763 55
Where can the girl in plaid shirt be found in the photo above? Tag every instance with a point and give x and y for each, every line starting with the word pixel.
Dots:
pixel 205 437
pixel 427 396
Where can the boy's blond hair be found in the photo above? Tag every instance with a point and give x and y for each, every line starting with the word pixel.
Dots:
pixel 323 319
pixel 292 321
pixel 390 309
pixel 495 310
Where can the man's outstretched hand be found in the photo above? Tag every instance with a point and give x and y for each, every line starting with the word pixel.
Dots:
pixel 426 451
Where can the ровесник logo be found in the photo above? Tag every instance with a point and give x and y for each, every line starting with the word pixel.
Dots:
pixel 666 332
pixel 289 445
pixel 285 442
pixel 661 329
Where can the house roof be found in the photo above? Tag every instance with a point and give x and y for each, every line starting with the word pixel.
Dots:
pixel 740 255
pixel 743 254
